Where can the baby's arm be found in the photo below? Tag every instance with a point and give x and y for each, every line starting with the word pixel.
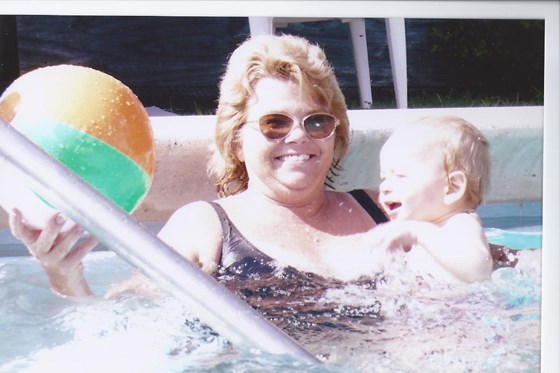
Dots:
pixel 458 246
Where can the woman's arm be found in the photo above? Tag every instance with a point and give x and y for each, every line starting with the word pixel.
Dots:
pixel 194 231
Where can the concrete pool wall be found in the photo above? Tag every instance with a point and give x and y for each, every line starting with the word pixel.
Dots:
pixel 183 146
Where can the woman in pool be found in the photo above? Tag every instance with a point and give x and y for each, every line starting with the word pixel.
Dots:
pixel 281 128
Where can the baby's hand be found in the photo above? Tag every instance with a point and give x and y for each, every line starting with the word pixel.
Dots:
pixel 393 236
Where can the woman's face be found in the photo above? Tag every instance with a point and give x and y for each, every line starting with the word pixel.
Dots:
pixel 294 163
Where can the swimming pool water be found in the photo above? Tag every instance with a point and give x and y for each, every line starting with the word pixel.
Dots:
pixel 387 323
pixel 392 322
pixel 517 239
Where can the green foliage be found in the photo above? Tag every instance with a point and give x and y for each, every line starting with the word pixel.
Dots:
pixel 481 39
pixel 491 57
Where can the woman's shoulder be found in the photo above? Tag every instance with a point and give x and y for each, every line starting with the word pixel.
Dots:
pixel 198 216
pixel 194 230
pixel 369 202
pixel 193 211
pixel 372 194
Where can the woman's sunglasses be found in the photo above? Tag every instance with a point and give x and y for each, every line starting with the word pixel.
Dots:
pixel 318 126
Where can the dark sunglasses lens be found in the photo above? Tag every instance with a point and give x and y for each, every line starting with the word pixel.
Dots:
pixel 275 126
pixel 319 126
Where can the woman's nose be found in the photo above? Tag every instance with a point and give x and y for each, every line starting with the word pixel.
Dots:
pixel 297 133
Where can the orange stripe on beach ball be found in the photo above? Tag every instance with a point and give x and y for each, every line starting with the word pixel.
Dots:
pixel 89 100
pixel 89 121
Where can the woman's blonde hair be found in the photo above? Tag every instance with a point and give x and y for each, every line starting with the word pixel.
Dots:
pixel 286 57
pixel 464 148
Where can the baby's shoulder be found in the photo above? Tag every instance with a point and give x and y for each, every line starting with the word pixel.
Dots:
pixel 465 219
pixel 466 226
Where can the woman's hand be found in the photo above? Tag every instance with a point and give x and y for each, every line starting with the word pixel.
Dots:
pixel 58 252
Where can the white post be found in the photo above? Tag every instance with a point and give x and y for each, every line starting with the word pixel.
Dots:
pixel 396 39
pixel 261 25
pixel 361 61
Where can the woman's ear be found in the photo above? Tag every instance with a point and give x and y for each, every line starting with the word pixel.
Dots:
pixel 239 153
pixel 456 187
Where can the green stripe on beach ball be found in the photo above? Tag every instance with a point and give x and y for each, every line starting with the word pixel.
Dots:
pixel 105 168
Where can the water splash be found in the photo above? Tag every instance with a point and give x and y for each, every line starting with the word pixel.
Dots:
pixel 387 323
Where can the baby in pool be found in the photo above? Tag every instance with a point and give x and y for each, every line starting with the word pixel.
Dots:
pixel 434 173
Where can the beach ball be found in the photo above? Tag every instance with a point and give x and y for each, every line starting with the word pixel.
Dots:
pixel 90 122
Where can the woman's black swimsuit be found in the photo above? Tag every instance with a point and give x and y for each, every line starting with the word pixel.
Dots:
pixel 238 252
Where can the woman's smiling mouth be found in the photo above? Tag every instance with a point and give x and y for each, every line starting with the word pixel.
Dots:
pixel 294 157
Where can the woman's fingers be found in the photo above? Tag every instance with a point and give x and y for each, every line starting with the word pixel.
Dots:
pixel 60 246
pixel 51 247
pixel 80 251
pixel 37 241
pixel 47 238
pixel 20 230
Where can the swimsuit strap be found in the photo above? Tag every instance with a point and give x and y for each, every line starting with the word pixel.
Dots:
pixel 235 246
pixel 224 220
pixel 369 205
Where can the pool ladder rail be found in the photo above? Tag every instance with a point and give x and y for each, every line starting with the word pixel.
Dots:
pixel 204 296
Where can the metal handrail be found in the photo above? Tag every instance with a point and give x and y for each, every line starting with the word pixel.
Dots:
pixel 204 296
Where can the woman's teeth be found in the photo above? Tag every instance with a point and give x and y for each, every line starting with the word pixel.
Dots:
pixel 294 157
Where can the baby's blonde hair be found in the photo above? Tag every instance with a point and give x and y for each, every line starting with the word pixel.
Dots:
pixel 284 57
pixel 464 148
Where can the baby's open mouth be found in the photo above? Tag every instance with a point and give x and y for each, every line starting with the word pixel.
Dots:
pixel 393 205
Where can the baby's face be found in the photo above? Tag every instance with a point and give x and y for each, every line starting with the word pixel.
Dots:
pixel 413 179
